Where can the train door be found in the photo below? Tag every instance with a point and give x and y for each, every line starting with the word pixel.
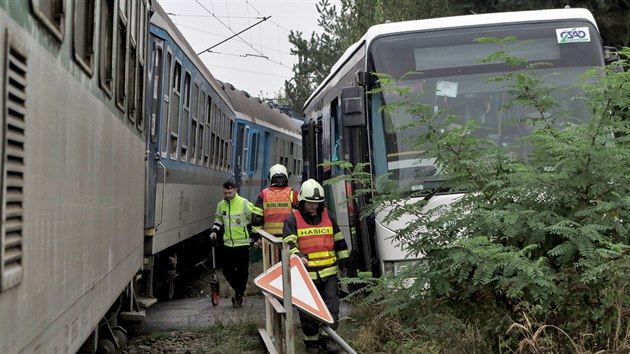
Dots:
pixel 265 161
pixel 311 143
pixel 153 109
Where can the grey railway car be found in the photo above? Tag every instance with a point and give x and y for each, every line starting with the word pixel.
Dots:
pixel 115 142
pixel 72 157
pixel 264 136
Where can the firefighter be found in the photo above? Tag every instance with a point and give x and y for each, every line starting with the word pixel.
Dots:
pixel 313 235
pixel 275 203
pixel 233 216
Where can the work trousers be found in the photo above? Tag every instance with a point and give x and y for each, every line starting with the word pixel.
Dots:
pixel 235 266
pixel 327 288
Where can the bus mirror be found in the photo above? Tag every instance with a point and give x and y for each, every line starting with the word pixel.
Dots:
pixel 352 104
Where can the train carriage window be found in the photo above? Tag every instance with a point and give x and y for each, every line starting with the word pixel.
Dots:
pixel 51 14
pixel 83 34
pixel 253 159
pixel 217 139
pixel 218 126
pixel 213 136
pixel 194 123
pixel 201 128
pixel 133 63
pixel 274 148
pixel 281 152
pixel 230 145
pixel 133 21
pixel 175 106
pixel 224 131
pixel 106 43
pixel 143 13
pixel 292 159
pixel 206 137
pixel 225 159
pixel 167 103
pixel 231 123
pixel 155 94
pixel 139 107
pixel 219 147
pixel 245 149
pixel 121 64
pixel 133 77
pixel 185 118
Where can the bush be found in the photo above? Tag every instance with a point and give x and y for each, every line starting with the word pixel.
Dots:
pixel 534 257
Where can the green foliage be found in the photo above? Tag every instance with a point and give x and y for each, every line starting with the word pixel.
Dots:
pixel 539 244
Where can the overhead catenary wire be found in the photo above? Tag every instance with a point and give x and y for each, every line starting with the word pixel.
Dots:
pixel 209 16
pixel 245 71
pixel 236 35
pixel 223 36
pixel 226 26
pixel 275 23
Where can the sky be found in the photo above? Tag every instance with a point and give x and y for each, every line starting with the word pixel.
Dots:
pixel 258 60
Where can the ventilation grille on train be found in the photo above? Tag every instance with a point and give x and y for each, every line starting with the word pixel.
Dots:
pixel 13 165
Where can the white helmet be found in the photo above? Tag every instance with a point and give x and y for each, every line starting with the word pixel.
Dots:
pixel 311 191
pixel 278 169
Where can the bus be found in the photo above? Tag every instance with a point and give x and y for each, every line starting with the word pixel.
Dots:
pixel 344 122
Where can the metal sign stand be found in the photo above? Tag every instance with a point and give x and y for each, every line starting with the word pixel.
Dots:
pixel 276 314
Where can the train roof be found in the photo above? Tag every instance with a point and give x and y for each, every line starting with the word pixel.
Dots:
pixel 452 22
pixel 253 109
pixel 161 19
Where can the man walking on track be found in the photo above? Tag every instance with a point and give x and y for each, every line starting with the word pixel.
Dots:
pixel 233 216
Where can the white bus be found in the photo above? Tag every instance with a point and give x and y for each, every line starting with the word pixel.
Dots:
pixel 343 122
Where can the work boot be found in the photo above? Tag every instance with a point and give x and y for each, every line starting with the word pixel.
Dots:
pixel 237 301
pixel 312 346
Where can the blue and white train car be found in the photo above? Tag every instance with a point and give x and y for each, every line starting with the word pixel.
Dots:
pixel 264 136
pixel 189 154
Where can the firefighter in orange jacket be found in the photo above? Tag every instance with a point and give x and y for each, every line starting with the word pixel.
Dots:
pixel 275 203
pixel 313 235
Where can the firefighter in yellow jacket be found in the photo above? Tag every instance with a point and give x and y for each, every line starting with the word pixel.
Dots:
pixel 313 235
pixel 233 216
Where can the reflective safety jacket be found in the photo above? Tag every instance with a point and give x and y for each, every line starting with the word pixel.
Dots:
pixel 321 243
pixel 234 216
pixel 277 205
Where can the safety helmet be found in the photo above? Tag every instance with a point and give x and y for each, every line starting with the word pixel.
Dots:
pixel 278 169
pixel 311 191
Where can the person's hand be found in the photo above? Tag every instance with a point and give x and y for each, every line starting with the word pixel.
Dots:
pixel 305 261
pixel 258 244
pixel 213 236
pixel 344 267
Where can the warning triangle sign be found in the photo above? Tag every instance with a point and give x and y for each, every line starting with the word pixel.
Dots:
pixel 304 294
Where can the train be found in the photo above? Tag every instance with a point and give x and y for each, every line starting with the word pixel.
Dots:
pixel 264 136
pixel 116 139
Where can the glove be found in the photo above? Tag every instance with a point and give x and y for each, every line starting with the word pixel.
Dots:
pixel 344 265
pixel 213 238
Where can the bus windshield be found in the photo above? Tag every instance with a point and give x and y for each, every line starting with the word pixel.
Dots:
pixel 449 76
